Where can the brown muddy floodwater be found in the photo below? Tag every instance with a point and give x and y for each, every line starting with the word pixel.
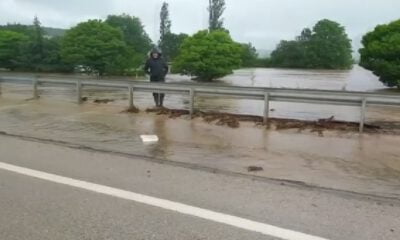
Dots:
pixel 368 163
pixel 357 79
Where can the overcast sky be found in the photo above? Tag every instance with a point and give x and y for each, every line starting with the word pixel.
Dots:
pixel 262 22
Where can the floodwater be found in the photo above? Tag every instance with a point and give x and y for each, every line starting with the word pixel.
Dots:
pixel 357 79
pixel 366 163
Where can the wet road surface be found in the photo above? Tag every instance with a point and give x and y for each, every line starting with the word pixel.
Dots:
pixel 38 209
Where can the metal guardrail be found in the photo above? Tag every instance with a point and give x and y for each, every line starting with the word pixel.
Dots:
pixel 346 98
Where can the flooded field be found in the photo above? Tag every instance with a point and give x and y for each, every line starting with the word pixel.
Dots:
pixel 357 79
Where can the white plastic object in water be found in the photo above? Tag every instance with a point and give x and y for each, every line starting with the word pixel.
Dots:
pixel 149 138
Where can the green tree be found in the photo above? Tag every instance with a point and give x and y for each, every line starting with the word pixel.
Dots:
pixel 249 55
pixel 134 34
pixel 98 47
pixel 11 48
pixel 330 46
pixel 327 46
pixel 304 55
pixel 165 22
pixel 216 9
pixel 52 61
pixel 33 50
pixel 305 35
pixel 208 55
pixel 171 45
pixel 288 54
pixel 381 53
pixel 169 42
pixel 36 50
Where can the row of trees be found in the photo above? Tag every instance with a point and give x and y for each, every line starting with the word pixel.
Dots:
pixel 114 46
pixel 25 48
pixel 119 45
pixel 326 46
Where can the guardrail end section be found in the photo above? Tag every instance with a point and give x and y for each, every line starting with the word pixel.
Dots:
pixel 35 83
pixel 362 115
pixel 266 107
pixel 191 107
pixel 79 91
pixel 130 89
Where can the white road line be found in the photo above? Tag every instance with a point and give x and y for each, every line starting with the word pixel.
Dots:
pixel 238 222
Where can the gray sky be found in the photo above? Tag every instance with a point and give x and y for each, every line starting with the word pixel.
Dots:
pixel 262 22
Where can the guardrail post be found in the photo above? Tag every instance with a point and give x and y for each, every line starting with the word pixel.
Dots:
pixel 266 107
pixel 35 83
pixel 0 85
pixel 130 96
pixel 79 91
pixel 191 102
pixel 362 118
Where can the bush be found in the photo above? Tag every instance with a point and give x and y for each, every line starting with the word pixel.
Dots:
pixel 249 55
pixel 208 55
pixel 11 48
pixel 97 46
pixel 381 53
pixel 326 46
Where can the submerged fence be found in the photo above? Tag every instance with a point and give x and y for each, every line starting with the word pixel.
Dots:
pixel 267 95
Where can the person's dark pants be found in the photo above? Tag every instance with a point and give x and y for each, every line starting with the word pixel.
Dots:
pixel 158 97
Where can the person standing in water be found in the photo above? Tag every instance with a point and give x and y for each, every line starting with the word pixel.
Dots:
pixel 157 68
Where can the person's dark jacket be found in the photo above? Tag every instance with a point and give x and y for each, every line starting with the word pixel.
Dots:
pixel 157 68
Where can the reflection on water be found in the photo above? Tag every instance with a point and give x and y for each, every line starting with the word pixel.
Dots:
pixel 159 150
pixel 357 79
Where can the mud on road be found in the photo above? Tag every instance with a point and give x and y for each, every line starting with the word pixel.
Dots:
pixel 234 120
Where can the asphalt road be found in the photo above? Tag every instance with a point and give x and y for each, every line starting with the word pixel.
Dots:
pixel 33 208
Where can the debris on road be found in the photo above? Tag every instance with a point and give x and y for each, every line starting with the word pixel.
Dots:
pixel 172 113
pixel 132 109
pixel 233 121
pixel 320 125
pixel 255 169
pixel 103 100
pixel 221 119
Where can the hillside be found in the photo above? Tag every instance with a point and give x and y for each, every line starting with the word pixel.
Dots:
pixel 26 29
